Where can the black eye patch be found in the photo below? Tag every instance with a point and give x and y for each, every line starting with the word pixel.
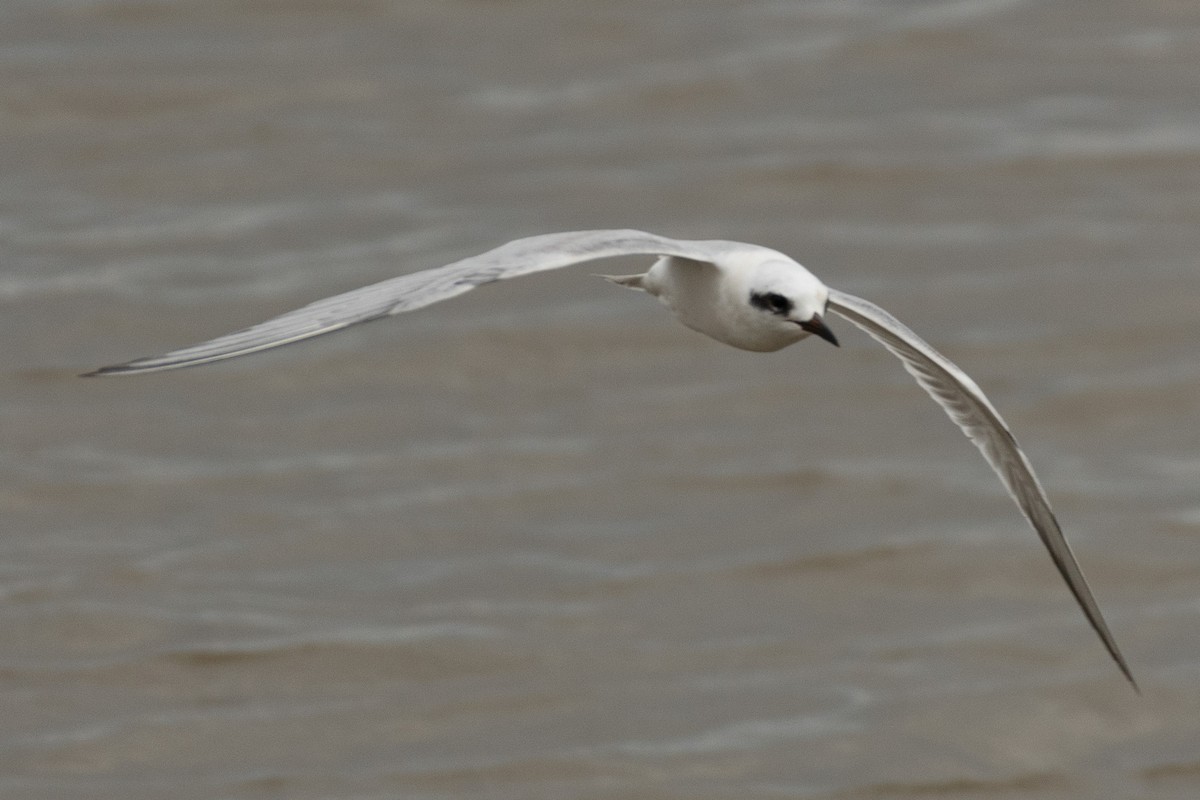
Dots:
pixel 771 301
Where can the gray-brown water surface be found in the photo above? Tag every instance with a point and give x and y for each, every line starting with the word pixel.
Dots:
pixel 541 541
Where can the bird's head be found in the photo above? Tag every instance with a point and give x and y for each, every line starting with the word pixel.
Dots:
pixel 788 297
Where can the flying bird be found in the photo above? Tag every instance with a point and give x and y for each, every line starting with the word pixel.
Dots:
pixel 747 296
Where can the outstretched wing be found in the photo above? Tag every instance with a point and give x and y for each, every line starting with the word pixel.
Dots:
pixel 966 404
pixel 419 289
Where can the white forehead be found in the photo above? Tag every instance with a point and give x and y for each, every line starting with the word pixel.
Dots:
pixel 763 269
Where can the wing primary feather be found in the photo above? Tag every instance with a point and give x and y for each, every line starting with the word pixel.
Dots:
pixel 420 289
pixel 966 404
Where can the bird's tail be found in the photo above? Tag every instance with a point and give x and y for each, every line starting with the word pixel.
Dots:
pixel 628 281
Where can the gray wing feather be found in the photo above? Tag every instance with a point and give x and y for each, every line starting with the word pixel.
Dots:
pixel 966 404
pixel 419 289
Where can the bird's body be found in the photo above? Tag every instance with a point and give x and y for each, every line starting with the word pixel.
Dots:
pixel 744 295
pixel 712 297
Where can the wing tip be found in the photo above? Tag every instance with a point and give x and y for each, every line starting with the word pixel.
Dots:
pixel 135 367
pixel 1126 671
pixel 115 369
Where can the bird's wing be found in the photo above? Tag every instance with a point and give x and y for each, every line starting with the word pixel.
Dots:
pixel 966 404
pixel 419 289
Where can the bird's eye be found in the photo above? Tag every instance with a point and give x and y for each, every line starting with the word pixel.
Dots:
pixel 771 301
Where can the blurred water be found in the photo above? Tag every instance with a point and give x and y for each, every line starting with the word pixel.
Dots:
pixel 542 541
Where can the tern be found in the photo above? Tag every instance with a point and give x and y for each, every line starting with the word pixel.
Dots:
pixel 747 296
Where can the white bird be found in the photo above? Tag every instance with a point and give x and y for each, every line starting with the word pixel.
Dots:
pixel 744 295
